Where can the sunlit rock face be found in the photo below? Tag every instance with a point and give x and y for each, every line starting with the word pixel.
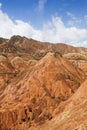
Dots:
pixel 42 85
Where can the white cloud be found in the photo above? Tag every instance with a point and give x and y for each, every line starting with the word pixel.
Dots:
pixel 83 43
pixel 73 20
pixel 56 31
pixel 9 28
pixel 71 15
pixel 0 5
pixel 85 18
pixel 53 31
pixel 41 4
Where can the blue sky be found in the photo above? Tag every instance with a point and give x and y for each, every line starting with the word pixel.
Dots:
pixel 45 20
pixel 38 12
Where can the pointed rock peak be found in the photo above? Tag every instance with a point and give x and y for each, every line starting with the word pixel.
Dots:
pixel 51 54
pixel 57 54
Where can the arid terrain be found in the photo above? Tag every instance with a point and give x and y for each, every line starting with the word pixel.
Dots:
pixel 43 86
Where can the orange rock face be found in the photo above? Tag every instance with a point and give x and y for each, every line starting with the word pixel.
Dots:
pixel 41 89
pixel 75 113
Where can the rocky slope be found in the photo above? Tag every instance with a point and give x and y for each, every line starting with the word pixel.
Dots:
pixel 78 60
pixel 43 85
pixel 75 113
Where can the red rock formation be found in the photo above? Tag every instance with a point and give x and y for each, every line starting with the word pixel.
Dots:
pixel 74 117
pixel 78 60
pixel 43 89
pixel 40 91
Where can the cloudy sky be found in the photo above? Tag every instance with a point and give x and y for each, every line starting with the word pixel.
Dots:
pixel 45 20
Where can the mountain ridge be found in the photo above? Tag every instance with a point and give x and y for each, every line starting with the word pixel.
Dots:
pixel 43 85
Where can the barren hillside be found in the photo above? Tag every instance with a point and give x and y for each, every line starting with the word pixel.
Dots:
pixel 42 85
